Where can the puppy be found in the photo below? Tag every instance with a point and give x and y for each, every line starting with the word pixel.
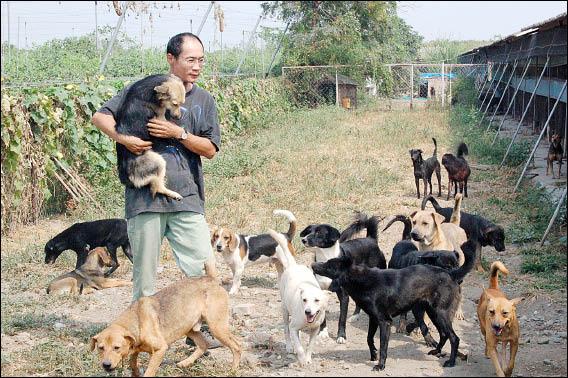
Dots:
pixel 303 302
pixel 498 322
pixel 329 243
pixel 476 227
pixel 424 169
pixel 145 99
pixel 152 324
pixel 80 237
pixel 240 251
pixel 88 277
pixel 555 153
pixel 384 293
pixel 458 170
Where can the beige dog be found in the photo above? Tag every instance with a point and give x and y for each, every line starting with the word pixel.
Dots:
pixel 498 322
pixel 432 234
pixel 88 277
pixel 152 323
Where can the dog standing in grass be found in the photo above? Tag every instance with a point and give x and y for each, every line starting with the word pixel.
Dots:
pixel 498 322
pixel 423 169
pixel 458 170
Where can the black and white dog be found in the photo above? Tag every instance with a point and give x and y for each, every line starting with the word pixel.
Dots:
pixel 329 243
pixel 81 237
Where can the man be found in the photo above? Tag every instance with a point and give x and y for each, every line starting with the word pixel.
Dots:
pixel 196 134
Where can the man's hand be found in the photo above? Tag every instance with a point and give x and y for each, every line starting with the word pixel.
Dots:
pixel 135 144
pixel 163 129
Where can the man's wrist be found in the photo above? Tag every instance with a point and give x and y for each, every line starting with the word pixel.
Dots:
pixel 183 135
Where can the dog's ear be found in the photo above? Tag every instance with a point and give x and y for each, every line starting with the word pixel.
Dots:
pixel 162 91
pixel 516 301
pixel 438 218
pixel 413 214
pixel 334 234
pixel 104 256
pixel 93 343
pixel 233 239
pixel 306 231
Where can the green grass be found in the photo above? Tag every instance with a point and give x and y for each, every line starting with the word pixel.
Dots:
pixel 547 264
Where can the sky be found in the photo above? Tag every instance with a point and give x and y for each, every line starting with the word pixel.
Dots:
pixel 459 20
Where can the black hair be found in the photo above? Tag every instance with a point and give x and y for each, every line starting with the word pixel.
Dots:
pixel 174 44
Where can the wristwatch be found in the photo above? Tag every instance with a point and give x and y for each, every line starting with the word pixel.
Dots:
pixel 183 135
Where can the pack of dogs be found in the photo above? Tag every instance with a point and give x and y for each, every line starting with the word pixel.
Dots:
pixel 437 249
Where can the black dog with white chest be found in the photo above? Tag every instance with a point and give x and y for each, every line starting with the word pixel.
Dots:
pixel 82 237
pixel 329 243
pixel 385 293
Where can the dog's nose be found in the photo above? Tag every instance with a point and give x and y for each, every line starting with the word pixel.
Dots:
pixel 219 248
pixel 415 236
pixel 107 365
pixel 308 311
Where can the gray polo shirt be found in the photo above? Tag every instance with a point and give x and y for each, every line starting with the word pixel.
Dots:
pixel 184 172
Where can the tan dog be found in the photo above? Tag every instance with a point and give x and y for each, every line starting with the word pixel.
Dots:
pixel 88 277
pixel 152 323
pixel 432 234
pixel 498 322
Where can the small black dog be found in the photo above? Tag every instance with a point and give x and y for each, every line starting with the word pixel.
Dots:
pixel 424 169
pixel 330 243
pixel 145 99
pixel 475 227
pixel 458 170
pixel 81 237
pixel 384 293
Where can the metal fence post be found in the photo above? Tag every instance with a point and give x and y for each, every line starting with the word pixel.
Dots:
pixel 113 39
pixel 490 86
pixel 502 97
pixel 553 217
pixel 493 94
pixel 527 106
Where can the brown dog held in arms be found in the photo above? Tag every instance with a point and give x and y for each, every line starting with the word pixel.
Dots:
pixel 152 323
pixel 555 152
pixel 498 322
pixel 88 277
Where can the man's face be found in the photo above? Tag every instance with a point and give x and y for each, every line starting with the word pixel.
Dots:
pixel 190 61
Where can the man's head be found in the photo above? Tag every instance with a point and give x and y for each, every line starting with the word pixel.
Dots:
pixel 185 54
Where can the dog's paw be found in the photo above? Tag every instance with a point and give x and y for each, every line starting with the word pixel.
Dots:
pixel 430 341
pixel 341 340
pixel 379 367
pixel 449 363
pixel 323 337
pixel 354 318
pixel 460 315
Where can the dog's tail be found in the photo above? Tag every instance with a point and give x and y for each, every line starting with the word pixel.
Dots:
pixel 291 219
pixel 361 221
pixel 496 267
pixel 435 154
pixel 283 253
pixel 468 249
pixel 456 214
pixel 433 201
pixel 407 226
pixel 462 150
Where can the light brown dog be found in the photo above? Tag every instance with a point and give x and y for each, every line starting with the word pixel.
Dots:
pixel 432 234
pixel 152 323
pixel 88 277
pixel 498 322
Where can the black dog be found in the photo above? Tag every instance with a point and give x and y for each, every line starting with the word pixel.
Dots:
pixel 458 170
pixel 330 243
pixel 383 294
pixel 424 169
pixel 475 227
pixel 145 99
pixel 81 237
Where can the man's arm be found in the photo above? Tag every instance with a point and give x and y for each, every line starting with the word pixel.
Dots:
pixel 106 123
pixel 165 129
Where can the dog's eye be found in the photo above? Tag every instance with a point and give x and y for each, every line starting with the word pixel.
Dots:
pixel 317 300
pixel 492 312
pixel 505 313
pixel 425 223
pixel 117 347
pixel 101 347
pixel 305 300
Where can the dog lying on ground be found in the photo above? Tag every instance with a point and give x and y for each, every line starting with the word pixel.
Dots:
pixel 555 153
pixel 80 237
pixel 498 322
pixel 385 293
pixel 88 277
pixel 423 169
pixel 476 227
pixel 328 244
pixel 458 170
pixel 240 251
pixel 303 301
pixel 145 99
pixel 152 323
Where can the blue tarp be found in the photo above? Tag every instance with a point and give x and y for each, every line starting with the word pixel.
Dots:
pixel 430 75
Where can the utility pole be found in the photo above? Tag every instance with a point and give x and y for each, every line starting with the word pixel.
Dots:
pixel 96 28
pixel 113 38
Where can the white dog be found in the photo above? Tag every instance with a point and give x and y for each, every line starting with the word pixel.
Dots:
pixel 303 302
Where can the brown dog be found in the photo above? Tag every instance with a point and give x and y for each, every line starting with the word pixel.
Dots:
pixel 88 277
pixel 555 152
pixel 498 322
pixel 152 323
